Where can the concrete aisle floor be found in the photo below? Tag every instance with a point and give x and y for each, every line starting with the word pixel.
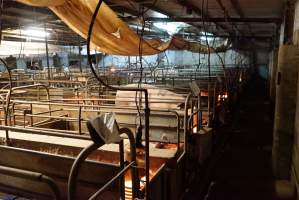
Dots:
pixel 243 169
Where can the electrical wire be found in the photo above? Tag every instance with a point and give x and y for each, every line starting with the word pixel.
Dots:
pixel 90 58
pixel 139 104
pixel 21 49
pixel 1 19
pixel 205 33
pixel 208 46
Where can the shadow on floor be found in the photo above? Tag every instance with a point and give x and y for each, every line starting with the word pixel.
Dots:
pixel 243 169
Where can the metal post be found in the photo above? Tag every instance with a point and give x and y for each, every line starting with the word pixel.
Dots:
pixel 209 105
pixel 129 61
pixel 147 153
pixel 122 166
pixel 80 57
pixel 47 51
pixel 79 122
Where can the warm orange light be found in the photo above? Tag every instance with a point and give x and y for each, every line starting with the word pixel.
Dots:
pixel 222 97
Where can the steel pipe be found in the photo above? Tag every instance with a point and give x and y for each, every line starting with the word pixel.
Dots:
pixel 9 171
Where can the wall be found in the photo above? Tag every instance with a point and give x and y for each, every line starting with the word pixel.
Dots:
pixel 172 58
pixel 295 167
pixel 262 63
pixel 181 58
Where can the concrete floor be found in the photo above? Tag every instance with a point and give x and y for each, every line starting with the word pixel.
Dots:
pixel 242 169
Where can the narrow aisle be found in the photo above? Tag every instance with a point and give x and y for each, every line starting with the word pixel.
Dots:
pixel 244 169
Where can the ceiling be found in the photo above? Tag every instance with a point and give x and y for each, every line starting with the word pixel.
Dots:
pixel 252 19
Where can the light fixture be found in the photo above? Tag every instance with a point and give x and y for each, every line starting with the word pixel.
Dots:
pixel 206 36
pixel 170 27
pixel 112 69
pixel 32 33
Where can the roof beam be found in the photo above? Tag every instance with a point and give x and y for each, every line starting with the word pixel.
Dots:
pixel 214 20
pixel 198 11
pixel 14 4
pixel 226 14
pixel 238 9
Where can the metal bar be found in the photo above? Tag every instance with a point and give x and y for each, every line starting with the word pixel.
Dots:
pixel 55 117
pixel 214 100
pixel 80 57
pixel 134 170
pixel 32 176
pixel 161 101
pixel 186 121
pixel 122 166
pixel 39 113
pixel 75 105
pixel 52 130
pixel 31 118
pixel 47 51
pixel 147 153
pixel 72 181
pixel 43 132
pixel 79 120
pixel 100 191
pixel 209 105
pixel 14 117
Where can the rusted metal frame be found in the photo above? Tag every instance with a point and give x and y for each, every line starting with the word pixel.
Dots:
pixel 192 109
pixel 67 82
pixel 31 118
pixel 186 114
pixel 34 176
pixel 85 153
pixel 147 113
pixel 13 111
pixel 68 104
pixel 158 172
pixel 199 120
pixel 24 120
pixel 214 100
pixel 191 117
pixel 62 117
pixel 117 109
pixel 134 170
pixel 45 112
pixel 209 105
pixel 79 120
pixel 178 125
pixel 37 131
pixel 187 117
pixel 51 130
pixel 10 89
pixel 38 94
pixel 122 166
pixel 93 99
pixel 47 52
pixel 100 191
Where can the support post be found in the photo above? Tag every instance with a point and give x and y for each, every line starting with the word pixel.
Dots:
pixel 47 51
